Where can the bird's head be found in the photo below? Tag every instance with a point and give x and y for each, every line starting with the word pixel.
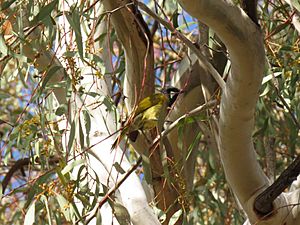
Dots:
pixel 172 94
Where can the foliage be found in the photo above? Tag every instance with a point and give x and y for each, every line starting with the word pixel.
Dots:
pixel 45 191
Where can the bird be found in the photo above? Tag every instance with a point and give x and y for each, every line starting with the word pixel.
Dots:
pixel 149 113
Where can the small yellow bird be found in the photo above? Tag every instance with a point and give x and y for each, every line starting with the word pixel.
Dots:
pixel 149 113
pixel 148 110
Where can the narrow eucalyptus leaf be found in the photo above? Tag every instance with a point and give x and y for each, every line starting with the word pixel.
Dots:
pixel 63 204
pixel 71 165
pixel 6 4
pixel 119 168
pixel 45 11
pixel 45 200
pixel 1 191
pixel 121 214
pixel 74 20
pixel 81 135
pixel 98 218
pixel 62 109
pixel 49 74
pixel 72 135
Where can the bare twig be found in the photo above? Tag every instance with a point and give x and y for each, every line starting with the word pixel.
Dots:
pixel 193 112
pixel 287 107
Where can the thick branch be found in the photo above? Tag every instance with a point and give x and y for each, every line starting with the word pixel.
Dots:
pixel 243 39
pixel 19 164
pixel 264 202
pixel 249 6
pixel 136 39
pixel 244 42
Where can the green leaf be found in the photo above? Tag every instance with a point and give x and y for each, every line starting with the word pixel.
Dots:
pixel 87 124
pixel 96 193
pixel 175 19
pixel 193 145
pixel 265 91
pixel 119 168
pixel 175 217
pixel 5 5
pixel 74 20
pixel 107 102
pixel 69 54
pixel 72 135
pixel 63 179
pixel 21 75
pixel 270 76
pixel 49 74
pixel 98 218
pixel 62 109
pixel 45 11
pixel 71 165
pixel 160 214
pixel 121 214
pixel 279 28
pixel 186 26
pixel 79 178
pixel 180 125
pixel 63 204
pixel 30 215
pixel 263 129
pixel 211 159
pixel 93 94
pixel 35 189
pixel 74 211
pixel 81 135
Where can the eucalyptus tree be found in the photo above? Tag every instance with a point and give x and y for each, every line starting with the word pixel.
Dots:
pixel 73 74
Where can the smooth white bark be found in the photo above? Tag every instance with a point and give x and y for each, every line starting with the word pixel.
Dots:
pixel 244 42
pixel 131 192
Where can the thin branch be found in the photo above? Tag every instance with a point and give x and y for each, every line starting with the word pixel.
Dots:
pixel 193 112
pixel 139 161
pixel 200 56
pixel 18 165
pixel 111 192
pixel 5 122
pixel 287 107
